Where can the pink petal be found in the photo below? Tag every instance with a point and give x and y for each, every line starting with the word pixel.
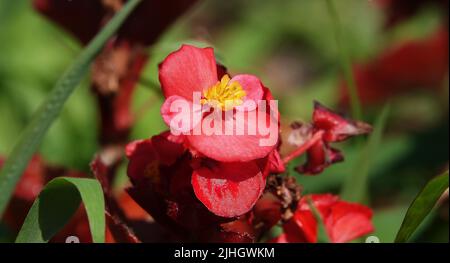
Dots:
pixel 187 70
pixel 337 128
pixel 228 189
pixel 235 148
pixel 186 120
pixel 252 86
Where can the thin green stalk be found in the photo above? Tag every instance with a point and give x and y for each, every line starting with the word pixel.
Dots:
pixel 322 236
pixel 50 109
pixel 345 62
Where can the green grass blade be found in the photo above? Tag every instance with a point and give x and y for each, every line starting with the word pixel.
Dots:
pixel 322 235
pixel 422 206
pixel 50 109
pixel 345 61
pixel 356 185
pixel 56 205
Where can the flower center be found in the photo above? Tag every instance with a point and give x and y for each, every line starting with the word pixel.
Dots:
pixel 223 94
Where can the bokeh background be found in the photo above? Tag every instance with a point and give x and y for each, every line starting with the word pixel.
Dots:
pixel 291 46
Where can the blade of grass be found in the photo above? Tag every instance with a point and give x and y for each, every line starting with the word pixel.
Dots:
pixel 345 61
pixel 50 109
pixel 322 236
pixel 56 205
pixel 422 206
pixel 356 185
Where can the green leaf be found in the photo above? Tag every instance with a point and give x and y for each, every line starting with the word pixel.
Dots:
pixel 421 206
pixel 56 205
pixel 356 186
pixel 345 61
pixel 42 119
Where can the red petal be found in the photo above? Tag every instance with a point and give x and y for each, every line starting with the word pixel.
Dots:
pixel 320 156
pixel 320 201
pixel 276 164
pixel 336 127
pixel 142 155
pixel 267 211
pixel 168 148
pixel 302 227
pixel 163 149
pixel 235 148
pixel 186 119
pixel 187 70
pixel 348 221
pixel 83 18
pixel 228 189
pixel 252 86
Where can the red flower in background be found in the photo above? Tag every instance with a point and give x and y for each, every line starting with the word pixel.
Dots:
pixel 327 127
pixel 116 71
pixel 410 65
pixel 343 221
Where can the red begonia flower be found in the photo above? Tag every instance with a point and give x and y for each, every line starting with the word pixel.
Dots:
pixel 225 189
pixel 191 69
pixel 336 128
pixel 343 221
pixel 327 127
pixel 161 171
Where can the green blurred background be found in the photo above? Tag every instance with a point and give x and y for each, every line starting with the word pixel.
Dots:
pixel 290 45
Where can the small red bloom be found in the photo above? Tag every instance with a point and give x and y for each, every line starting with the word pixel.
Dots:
pixel 327 127
pixel 343 221
pixel 191 69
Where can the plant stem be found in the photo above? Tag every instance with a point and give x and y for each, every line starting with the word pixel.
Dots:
pixel 304 147
pixel 345 61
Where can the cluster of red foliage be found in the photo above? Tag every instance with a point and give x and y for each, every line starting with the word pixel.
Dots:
pixel 192 187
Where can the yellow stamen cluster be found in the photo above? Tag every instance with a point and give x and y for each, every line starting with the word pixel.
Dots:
pixel 224 95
